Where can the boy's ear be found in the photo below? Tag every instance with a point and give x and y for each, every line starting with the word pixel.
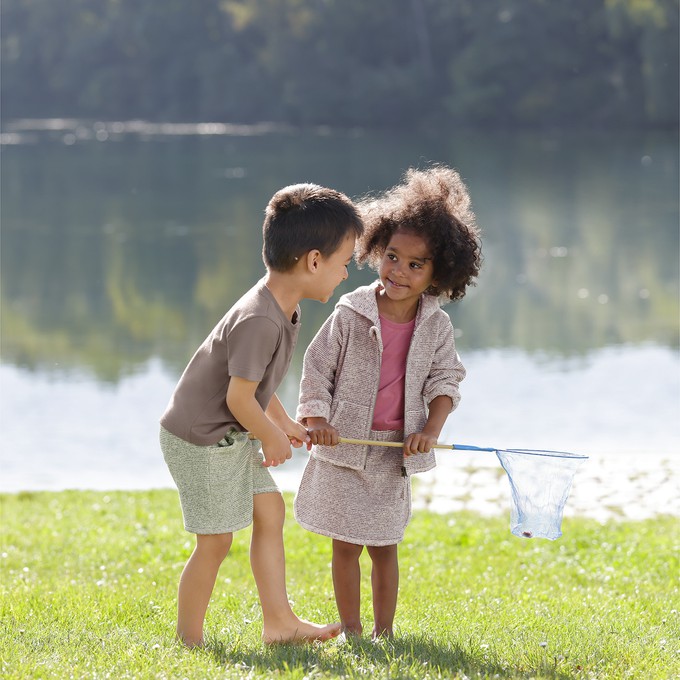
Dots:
pixel 313 260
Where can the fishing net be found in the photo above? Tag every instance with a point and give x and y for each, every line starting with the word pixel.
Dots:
pixel 540 482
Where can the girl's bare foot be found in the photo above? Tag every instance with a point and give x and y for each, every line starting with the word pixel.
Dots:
pixel 300 632
pixel 384 634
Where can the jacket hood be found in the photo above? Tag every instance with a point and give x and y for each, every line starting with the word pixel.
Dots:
pixel 363 301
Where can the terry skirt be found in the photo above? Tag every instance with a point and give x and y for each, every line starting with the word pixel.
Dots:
pixel 366 507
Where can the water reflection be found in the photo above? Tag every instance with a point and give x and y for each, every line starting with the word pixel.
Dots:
pixel 114 253
pixel 122 250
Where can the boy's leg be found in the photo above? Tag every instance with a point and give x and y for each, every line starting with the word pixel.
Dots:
pixel 385 585
pixel 196 585
pixel 268 562
pixel 347 584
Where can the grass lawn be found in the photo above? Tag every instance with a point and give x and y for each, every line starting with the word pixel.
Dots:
pixel 88 585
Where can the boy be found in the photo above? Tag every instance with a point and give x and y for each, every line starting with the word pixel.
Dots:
pixel 228 389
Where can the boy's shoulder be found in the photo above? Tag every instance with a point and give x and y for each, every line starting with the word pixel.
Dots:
pixel 253 299
pixel 256 303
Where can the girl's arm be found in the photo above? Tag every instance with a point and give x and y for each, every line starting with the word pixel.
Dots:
pixel 446 371
pixel 321 432
pixel 321 362
pixel 424 441
pixel 440 391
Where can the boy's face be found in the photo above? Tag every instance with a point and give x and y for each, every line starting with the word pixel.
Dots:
pixel 333 270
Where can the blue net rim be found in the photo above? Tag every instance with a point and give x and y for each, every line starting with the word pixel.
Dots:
pixel 550 454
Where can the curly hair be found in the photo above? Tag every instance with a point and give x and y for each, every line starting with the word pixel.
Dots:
pixel 435 205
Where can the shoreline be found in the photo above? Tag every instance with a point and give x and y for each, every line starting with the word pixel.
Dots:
pixel 604 487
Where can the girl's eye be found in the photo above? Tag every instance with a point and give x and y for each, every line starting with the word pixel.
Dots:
pixel 416 265
pixel 391 256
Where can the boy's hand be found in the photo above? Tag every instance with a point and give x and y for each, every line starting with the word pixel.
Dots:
pixel 419 442
pixel 276 449
pixel 298 435
pixel 321 432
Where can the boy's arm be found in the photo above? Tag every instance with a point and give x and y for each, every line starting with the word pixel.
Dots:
pixel 424 441
pixel 279 416
pixel 246 409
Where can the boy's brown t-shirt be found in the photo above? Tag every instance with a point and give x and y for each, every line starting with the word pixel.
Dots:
pixel 255 341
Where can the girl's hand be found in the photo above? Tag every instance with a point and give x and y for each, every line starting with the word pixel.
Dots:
pixel 419 442
pixel 321 432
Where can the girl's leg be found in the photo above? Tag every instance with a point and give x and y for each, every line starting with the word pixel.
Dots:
pixel 385 585
pixel 347 584
pixel 196 585
pixel 268 562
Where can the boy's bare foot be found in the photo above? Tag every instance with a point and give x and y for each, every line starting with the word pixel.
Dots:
pixel 189 642
pixel 300 632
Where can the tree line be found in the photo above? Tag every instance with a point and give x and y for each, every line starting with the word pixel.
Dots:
pixel 345 63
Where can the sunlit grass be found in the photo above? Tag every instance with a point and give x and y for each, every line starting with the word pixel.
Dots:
pixel 89 582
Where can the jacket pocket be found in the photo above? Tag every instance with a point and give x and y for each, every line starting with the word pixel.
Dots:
pixel 351 419
pixel 414 421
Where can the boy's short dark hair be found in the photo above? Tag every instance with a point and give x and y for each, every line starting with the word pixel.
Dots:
pixel 304 217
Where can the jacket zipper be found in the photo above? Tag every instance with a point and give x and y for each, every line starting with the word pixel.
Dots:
pixel 378 339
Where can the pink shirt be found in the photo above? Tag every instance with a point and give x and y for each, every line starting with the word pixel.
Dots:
pixel 389 404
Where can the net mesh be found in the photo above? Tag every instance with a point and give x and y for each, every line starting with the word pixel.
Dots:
pixel 540 482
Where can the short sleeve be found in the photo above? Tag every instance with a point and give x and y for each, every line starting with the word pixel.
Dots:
pixel 251 344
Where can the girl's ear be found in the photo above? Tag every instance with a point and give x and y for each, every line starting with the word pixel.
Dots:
pixel 313 259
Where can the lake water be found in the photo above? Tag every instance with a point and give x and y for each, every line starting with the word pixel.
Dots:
pixel 123 244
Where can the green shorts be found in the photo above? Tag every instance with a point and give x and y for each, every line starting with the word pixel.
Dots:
pixel 216 484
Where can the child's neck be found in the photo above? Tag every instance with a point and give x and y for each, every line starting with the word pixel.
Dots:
pixel 396 310
pixel 284 290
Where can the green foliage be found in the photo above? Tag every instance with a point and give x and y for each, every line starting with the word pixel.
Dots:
pixel 88 586
pixel 344 63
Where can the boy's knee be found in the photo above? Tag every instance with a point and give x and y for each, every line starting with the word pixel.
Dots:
pixel 215 546
pixel 269 511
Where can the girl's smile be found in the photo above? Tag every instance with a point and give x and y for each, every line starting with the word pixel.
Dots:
pixel 406 271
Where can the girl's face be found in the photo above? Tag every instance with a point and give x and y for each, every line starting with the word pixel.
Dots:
pixel 406 269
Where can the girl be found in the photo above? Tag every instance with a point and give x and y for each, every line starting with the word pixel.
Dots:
pixel 383 367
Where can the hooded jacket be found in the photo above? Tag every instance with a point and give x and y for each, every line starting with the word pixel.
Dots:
pixel 341 373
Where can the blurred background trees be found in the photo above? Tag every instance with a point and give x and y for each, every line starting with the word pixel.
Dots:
pixel 345 63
